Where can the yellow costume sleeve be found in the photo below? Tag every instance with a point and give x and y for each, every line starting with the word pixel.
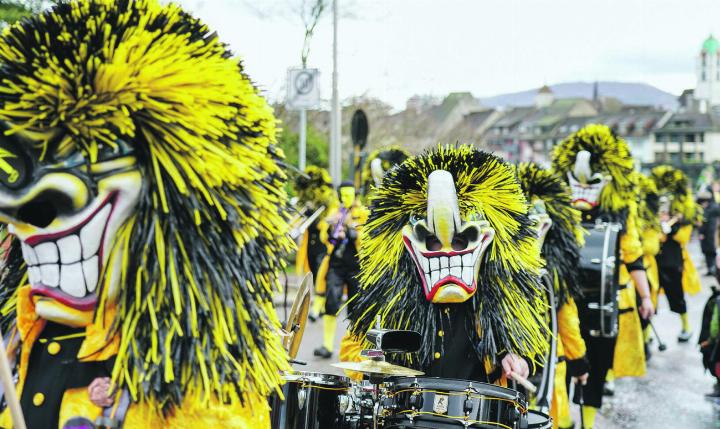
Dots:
pixel 569 331
pixel 630 247
pixel 651 242
pixel 350 348
pixel 683 235
pixel 302 264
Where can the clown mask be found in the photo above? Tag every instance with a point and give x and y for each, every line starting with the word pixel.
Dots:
pixel 66 211
pixel 538 214
pixel 446 248
pixel 585 185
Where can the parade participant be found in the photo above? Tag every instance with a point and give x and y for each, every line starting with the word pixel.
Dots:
pixel 341 266
pixel 379 162
pixel 678 212
pixel 650 232
pixel 598 167
pixel 147 204
pixel 561 251
pixel 708 229
pixel 314 190
pixel 450 252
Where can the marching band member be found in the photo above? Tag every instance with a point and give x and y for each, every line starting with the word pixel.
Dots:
pixel 314 189
pixel 341 266
pixel 678 212
pixel 450 252
pixel 149 216
pixel 650 232
pixel 561 251
pixel 598 167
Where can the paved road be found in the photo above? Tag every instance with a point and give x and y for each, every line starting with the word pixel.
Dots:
pixel 669 396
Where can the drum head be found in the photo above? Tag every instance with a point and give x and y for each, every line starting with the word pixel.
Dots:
pixel 538 420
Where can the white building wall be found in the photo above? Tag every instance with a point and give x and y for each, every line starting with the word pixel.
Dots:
pixel 708 79
pixel 712 146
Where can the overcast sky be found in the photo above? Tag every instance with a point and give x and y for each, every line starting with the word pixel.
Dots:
pixel 392 49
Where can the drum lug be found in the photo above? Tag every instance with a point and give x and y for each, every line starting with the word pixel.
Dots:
pixel 302 394
pixel 343 404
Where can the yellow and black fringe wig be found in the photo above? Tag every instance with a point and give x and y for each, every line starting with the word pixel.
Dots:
pixel 674 184
pixel 610 155
pixel 390 156
pixel 561 248
pixel 648 203
pixel 209 234
pixel 315 188
pixel 507 312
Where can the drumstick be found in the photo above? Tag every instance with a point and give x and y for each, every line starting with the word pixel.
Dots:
pixel 523 382
pixel 8 384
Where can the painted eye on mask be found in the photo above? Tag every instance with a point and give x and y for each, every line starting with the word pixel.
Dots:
pixel 15 165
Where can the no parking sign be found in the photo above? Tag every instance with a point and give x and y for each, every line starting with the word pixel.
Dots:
pixel 303 89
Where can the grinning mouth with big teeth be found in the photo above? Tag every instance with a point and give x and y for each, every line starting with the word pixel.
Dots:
pixel 439 268
pixel 66 265
pixel 585 194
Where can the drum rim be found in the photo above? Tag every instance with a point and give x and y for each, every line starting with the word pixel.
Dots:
pixel 505 392
pixel 316 378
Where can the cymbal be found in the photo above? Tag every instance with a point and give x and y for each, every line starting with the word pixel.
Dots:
pixel 295 325
pixel 378 368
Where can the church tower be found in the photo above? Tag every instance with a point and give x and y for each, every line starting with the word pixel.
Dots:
pixel 707 72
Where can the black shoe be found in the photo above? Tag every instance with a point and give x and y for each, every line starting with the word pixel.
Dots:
pixel 567 427
pixel 684 336
pixel 609 389
pixel 322 352
pixel 648 352
pixel 313 317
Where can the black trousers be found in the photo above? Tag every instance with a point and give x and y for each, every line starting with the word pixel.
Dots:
pixel 671 282
pixel 336 279
pixel 710 261
pixel 600 354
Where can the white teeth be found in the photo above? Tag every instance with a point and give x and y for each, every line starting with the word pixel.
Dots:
pixel 69 249
pixel 91 234
pixel 444 262
pixel 29 254
pixel 90 269
pixel 425 263
pixel 456 271
pixel 435 277
pixel 50 274
pixel 34 275
pixel 444 273
pixel 46 253
pixel 434 264
pixel 72 281
pixel 427 279
pixel 467 260
pixel 467 275
pixel 455 261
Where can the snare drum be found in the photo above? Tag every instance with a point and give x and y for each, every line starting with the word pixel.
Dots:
pixel 425 402
pixel 312 401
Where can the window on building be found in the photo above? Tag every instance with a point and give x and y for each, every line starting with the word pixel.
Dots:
pixel 690 138
pixel 702 76
pixel 660 157
pixel 701 137
pixel 674 158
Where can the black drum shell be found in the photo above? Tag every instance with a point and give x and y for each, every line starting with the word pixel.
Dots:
pixel 504 409
pixel 320 408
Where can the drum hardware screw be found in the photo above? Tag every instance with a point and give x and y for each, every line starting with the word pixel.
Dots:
pixel 514 414
pixel 416 401
pixel 468 406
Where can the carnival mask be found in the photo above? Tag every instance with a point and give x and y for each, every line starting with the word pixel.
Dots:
pixel 377 170
pixel 347 196
pixel 538 214
pixel 447 249
pixel 66 211
pixel 585 185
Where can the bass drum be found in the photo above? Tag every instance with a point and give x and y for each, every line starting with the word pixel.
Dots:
pixel 598 308
pixel 426 402
pixel 312 401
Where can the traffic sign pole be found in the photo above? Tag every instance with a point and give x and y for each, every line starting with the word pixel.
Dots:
pixel 303 140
